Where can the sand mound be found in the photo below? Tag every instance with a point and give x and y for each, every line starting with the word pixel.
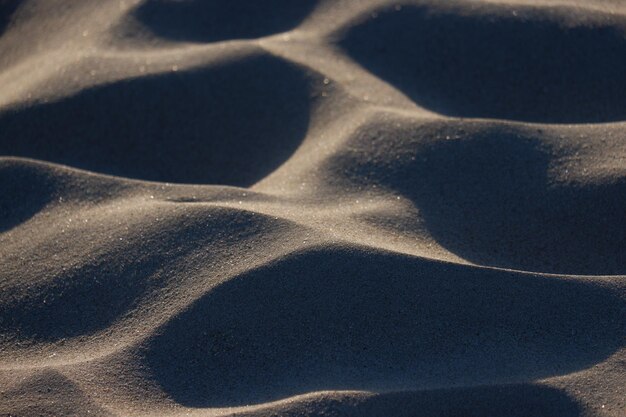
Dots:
pixel 312 208
pixel 226 124
pixel 494 193
pixel 347 318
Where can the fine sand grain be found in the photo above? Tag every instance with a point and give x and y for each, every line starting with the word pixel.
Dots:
pixel 313 207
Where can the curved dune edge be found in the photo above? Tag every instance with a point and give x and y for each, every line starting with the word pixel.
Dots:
pixel 215 209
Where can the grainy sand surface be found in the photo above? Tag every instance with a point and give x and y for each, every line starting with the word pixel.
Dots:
pixel 307 208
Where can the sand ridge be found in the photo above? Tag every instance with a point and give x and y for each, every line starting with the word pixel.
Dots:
pixel 354 207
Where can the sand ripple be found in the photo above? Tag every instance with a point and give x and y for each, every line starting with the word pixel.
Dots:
pixel 312 208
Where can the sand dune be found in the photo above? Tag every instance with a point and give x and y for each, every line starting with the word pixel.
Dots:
pixel 345 207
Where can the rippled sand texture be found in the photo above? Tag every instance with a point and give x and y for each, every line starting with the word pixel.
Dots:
pixel 277 207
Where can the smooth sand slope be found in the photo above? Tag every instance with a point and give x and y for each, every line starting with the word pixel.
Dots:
pixel 294 208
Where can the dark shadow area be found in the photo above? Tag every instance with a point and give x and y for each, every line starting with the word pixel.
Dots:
pixel 217 20
pixel 349 319
pixel 7 8
pixel 491 199
pixel 530 68
pixel 24 190
pixel 230 124
pixel 518 400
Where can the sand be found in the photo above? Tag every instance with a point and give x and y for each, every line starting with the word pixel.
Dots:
pixel 307 208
